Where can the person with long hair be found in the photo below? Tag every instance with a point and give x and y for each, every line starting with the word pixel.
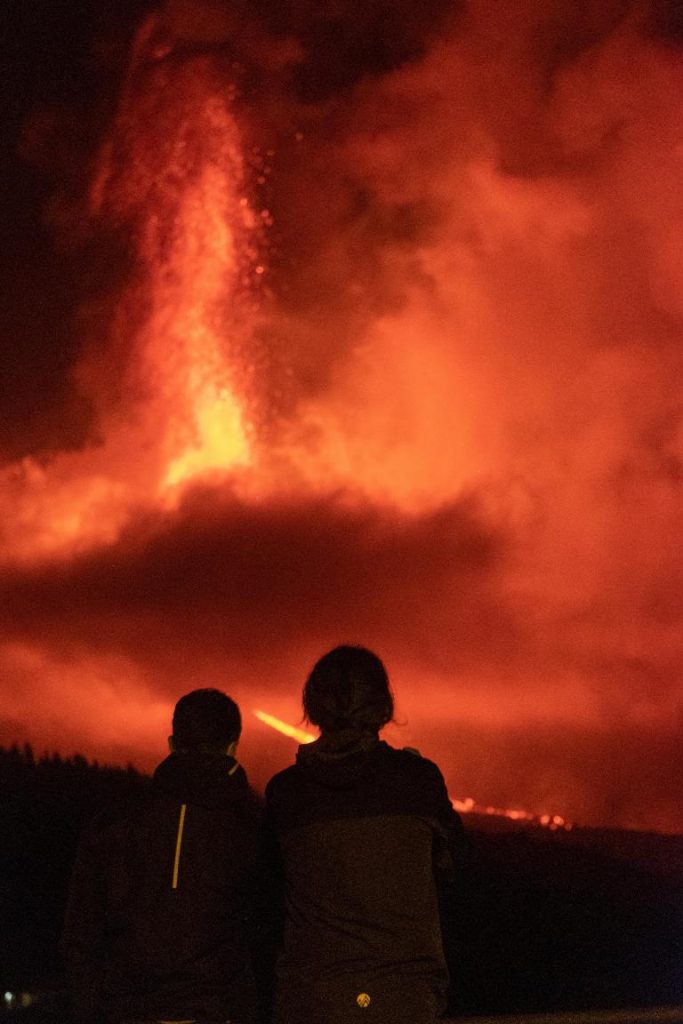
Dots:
pixel 366 837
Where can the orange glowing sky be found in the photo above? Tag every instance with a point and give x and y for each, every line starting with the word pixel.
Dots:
pixel 372 345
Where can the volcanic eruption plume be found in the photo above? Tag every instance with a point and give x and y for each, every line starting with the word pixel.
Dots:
pixel 171 175
pixel 385 349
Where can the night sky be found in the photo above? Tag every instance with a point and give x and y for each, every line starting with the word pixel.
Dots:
pixel 349 322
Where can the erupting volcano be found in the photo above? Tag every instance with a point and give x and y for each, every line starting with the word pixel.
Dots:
pixel 381 344
pixel 172 174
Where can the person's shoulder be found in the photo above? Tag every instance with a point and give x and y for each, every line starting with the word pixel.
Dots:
pixel 117 813
pixel 411 761
pixel 281 781
pixel 410 757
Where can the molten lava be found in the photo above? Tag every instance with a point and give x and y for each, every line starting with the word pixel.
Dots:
pixel 294 733
pixel 177 176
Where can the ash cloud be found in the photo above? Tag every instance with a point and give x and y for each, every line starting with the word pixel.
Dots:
pixel 260 581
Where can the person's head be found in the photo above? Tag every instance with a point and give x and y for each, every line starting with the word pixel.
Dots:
pixel 348 689
pixel 206 721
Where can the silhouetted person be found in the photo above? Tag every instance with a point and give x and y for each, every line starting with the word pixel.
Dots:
pixel 366 835
pixel 163 903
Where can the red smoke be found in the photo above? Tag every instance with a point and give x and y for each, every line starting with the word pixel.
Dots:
pixel 395 361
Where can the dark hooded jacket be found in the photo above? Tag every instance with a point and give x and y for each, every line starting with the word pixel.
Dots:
pixel 368 840
pixel 164 900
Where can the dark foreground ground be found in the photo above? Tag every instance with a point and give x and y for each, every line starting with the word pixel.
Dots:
pixel 568 921
pixel 581 921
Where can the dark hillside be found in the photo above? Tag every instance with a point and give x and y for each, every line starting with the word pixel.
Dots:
pixel 45 803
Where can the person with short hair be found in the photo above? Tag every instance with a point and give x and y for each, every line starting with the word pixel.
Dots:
pixel 164 898
pixel 367 839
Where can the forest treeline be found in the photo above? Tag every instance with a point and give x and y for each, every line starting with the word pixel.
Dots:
pixel 45 801
pixel 541 921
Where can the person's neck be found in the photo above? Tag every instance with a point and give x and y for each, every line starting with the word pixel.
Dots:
pixel 350 738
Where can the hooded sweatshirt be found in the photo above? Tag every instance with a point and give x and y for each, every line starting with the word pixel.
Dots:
pixel 164 898
pixel 367 839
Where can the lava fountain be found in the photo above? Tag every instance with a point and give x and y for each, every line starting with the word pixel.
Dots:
pixel 174 174
pixel 168 376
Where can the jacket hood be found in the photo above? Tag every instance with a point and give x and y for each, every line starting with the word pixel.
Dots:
pixel 210 780
pixel 342 760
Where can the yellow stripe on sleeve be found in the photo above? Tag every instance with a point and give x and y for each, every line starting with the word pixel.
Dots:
pixel 178 844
